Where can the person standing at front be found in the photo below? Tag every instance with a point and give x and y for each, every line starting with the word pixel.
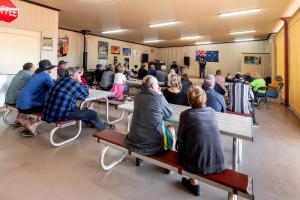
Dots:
pixel 202 64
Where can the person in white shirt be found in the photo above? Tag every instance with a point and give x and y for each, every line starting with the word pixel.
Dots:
pixel 119 82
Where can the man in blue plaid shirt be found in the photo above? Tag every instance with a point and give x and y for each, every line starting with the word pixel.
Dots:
pixel 61 101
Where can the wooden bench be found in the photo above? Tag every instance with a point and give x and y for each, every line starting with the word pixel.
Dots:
pixel 129 94
pixel 38 116
pixel 233 182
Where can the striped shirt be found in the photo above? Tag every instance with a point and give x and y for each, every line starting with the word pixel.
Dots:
pixel 240 96
pixel 61 99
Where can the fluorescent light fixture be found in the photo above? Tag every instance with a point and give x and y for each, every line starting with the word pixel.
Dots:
pixel 163 24
pixel 244 40
pixel 241 12
pixel 202 43
pixel 152 41
pixel 190 37
pixel 113 31
pixel 242 32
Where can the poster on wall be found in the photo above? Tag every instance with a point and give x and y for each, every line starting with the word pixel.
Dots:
pixel 126 52
pixel 126 63
pixel 134 53
pixel 115 59
pixel 102 50
pixel 209 56
pixel 63 47
pixel 252 60
pixel 47 44
pixel 115 50
pixel 138 54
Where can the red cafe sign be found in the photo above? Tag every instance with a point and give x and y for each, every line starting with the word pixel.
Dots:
pixel 8 11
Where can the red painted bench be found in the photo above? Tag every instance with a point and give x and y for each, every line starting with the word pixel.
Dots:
pixel 231 181
pixel 38 116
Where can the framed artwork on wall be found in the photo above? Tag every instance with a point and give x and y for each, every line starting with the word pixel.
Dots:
pixel 63 47
pixel 47 44
pixel 115 50
pixel 126 52
pixel 102 50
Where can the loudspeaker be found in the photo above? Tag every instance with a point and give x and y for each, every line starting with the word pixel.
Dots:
pixel 186 60
pixel 144 58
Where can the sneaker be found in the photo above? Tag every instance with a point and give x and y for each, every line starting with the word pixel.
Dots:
pixel 138 162
pixel 17 125
pixel 255 125
pixel 27 133
pixel 195 189
pixel 169 172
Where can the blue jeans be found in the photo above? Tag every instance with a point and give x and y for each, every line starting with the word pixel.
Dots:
pixel 88 116
pixel 126 88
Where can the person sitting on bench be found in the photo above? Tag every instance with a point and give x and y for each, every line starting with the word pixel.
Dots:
pixel 61 100
pixel 18 83
pixel 241 97
pixel 107 78
pixel 214 99
pixel 33 95
pixel 148 135
pixel 198 140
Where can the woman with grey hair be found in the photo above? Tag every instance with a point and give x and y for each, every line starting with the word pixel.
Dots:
pixel 174 94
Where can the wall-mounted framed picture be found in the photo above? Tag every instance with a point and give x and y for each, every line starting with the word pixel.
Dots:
pixel 252 60
pixel 115 50
pixel 63 46
pixel 102 50
pixel 47 44
pixel 126 52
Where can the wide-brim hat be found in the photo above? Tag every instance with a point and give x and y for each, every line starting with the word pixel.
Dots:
pixel 44 65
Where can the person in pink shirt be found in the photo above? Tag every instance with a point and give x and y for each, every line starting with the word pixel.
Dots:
pixel 220 79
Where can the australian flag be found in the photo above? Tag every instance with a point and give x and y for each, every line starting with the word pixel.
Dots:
pixel 209 56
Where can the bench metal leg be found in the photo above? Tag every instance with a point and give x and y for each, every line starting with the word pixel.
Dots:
pixel 58 144
pixel 234 163
pixel 114 163
pixel 129 118
pixel 240 150
pixel 231 196
pixel 5 120
pixel 107 113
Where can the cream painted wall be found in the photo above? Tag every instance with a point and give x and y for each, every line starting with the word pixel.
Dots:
pixel 263 69
pixel 92 46
pixel 74 56
pixel 229 55
pixel 36 18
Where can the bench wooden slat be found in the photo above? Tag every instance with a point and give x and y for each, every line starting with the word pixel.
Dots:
pixel 237 181
pixel 111 137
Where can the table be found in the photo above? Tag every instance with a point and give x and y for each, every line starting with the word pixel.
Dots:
pixel 236 126
pixel 138 83
pixel 101 94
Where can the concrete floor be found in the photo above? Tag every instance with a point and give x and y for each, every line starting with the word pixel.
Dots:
pixel 30 168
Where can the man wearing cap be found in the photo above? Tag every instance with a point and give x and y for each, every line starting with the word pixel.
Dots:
pixel 61 68
pixel 33 95
pixel 214 99
pixel 60 103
